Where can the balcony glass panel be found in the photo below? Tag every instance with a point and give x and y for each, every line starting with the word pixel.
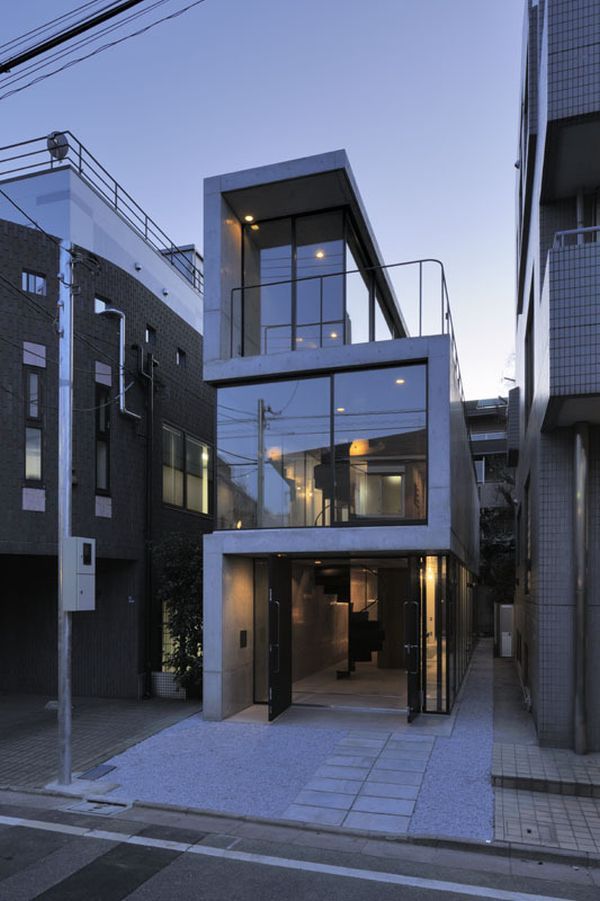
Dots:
pixel 380 433
pixel 357 299
pixel 274 454
pixel 267 310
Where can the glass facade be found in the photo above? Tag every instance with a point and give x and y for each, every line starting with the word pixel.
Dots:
pixel 305 284
pixel 187 480
pixel 348 448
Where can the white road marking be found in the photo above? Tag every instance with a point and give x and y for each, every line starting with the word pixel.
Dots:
pixel 285 863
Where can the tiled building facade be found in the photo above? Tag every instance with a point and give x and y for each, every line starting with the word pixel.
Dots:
pixel 555 407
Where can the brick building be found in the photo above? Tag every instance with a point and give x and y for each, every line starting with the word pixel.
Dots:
pixel 136 478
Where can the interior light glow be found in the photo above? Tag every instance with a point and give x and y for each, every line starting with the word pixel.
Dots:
pixel 255 227
pixel 333 335
pixel 248 218
pixel 238 524
pixel 319 254
pixel 359 447
pixel 340 410
pixel 318 562
pixel 400 381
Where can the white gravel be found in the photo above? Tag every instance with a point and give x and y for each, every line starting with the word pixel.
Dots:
pixel 456 797
pixel 237 768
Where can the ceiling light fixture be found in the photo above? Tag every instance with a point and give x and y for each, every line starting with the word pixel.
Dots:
pixel 333 335
pixel 400 381
pixel 255 227
pixel 340 410
pixel 248 218
pixel 320 254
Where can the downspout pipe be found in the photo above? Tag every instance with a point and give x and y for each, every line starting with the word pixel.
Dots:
pixel 580 535
pixel 107 310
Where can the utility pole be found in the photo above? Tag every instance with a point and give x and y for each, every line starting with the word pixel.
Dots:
pixel 65 477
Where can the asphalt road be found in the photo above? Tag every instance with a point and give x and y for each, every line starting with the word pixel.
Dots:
pixel 57 855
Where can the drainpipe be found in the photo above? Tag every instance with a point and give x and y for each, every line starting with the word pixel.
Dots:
pixel 106 310
pixel 580 216
pixel 148 374
pixel 581 451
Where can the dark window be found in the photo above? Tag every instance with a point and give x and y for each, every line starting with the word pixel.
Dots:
pixel 33 282
pixel 529 362
pixel 528 537
pixel 33 423
pixel 181 358
pixel 187 478
pixel 103 405
pixel 283 460
pixel 150 337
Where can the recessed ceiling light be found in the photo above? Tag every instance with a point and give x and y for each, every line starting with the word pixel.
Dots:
pixel 320 254
pixel 255 227
pixel 333 335
pixel 340 410
pixel 318 562
pixel 400 381
pixel 248 218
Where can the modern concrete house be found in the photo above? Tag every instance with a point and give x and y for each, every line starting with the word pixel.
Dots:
pixel 142 423
pixel 554 413
pixel 346 532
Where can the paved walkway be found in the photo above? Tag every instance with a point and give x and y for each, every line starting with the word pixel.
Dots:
pixel 543 796
pixel 101 728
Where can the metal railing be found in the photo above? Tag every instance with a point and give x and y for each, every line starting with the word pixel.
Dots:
pixel 576 236
pixel 36 155
pixel 241 294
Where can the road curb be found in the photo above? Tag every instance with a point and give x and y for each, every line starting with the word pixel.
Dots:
pixel 496 848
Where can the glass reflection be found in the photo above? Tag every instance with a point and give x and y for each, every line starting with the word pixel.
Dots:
pixel 267 310
pixel 380 429
pixel 274 455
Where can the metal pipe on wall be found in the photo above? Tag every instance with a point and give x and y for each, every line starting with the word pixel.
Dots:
pixel 580 536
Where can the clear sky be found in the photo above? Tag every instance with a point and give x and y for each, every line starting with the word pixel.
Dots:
pixel 423 95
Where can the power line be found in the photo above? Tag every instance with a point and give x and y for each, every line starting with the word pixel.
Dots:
pixel 46 27
pixel 76 45
pixel 106 46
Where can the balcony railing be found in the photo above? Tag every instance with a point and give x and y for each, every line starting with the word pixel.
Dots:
pixel 420 283
pixel 42 154
pixel 576 236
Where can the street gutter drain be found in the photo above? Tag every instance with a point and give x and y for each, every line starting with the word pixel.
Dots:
pixel 102 808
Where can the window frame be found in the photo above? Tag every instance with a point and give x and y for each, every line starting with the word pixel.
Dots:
pixel 210 471
pixel 103 397
pixel 26 274
pixel 34 423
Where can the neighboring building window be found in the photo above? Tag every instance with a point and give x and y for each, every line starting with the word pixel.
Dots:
pixel 33 424
pixel 480 470
pixel 186 471
pixel 33 282
pixel 150 336
pixel 529 362
pixel 103 405
pixel 181 358
pixel 528 536
pixel 286 461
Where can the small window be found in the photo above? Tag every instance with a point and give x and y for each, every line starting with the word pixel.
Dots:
pixel 33 454
pixel 103 405
pixel 34 354
pixel 480 470
pixel 33 398
pixel 33 282
pixel 181 358
pixel 150 336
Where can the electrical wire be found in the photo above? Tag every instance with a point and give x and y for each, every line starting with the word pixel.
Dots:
pixel 100 49
pixel 21 39
pixel 54 55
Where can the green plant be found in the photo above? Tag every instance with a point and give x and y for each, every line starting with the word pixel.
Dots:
pixel 178 561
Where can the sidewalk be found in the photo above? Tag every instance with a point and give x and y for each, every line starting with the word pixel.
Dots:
pixel 101 728
pixel 543 796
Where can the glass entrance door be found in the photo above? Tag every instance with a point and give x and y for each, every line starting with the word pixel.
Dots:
pixel 280 635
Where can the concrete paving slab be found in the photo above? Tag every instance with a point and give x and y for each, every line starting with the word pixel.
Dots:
pixel 400 764
pixel 389 790
pixel 307 814
pixel 371 804
pixel 347 786
pixel 342 772
pixel 325 799
pixel 377 822
pixel 398 777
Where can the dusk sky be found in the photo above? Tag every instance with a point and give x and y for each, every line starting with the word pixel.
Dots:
pixel 422 94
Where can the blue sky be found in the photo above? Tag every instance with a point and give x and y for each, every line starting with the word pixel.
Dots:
pixel 423 95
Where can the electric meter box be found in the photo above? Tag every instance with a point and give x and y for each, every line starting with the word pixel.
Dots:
pixel 79 574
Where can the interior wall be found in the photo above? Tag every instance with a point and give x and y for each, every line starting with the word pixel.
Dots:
pixel 319 625
pixel 238 603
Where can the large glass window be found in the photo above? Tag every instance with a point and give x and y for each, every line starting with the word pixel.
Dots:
pixel 278 465
pixel 305 285
pixel 274 450
pixel 380 431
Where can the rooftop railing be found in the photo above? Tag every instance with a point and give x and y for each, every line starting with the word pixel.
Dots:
pixel 343 307
pixel 63 149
